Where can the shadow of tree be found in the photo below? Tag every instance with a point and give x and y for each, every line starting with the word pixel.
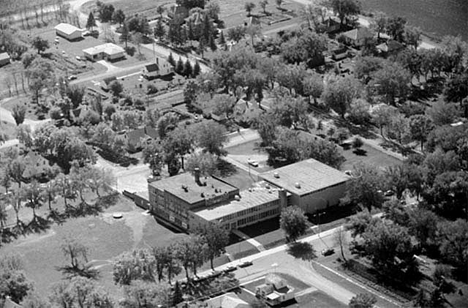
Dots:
pixel 57 217
pixel 225 168
pixel 7 236
pixel 303 251
pixel 360 152
pixel 83 209
pixel 38 224
pixel 86 271
pixel 107 201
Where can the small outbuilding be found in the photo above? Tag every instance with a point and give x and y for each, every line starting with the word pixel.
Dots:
pixel 4 59
pixel 108 51
pixel 68 31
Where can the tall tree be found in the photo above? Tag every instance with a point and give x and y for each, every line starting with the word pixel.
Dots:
pixel 420 127
pixel 362 300
pixel 134 265
pixel 91 23
pixel 125 35
pixel 293 222
pixel 339 93
pixel 19 113
pixel 249 6
pixel 345 8
pixel 210 136
pixel 216 239
pixel 118 17
pixel 40 44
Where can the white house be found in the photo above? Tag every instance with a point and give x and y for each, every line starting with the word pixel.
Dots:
pixel 275 290
pixel 108 51
pixel 158 69
pixel 68 31
pixel 4 59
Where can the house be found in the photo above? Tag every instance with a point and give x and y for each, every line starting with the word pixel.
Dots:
pixel 339 54
pixel 331 24
pixel 68 31
pixel 245 112
pixel 275 290
pixel 178 13
pixel 228 300
pixel 159 68
pixel 135 139
pixel 108 51
pixel 4 59
pixel 357 37
pixel 389 48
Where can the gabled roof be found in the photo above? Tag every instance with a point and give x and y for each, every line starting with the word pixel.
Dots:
pixel 107 48
pixel 228 300
pixel 4 56
pixel 10 304
pixel 67 28
pixel 390 46
pixel 358 34
pixel 153 67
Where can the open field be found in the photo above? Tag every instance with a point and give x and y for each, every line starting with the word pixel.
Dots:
pixel 369 156
pixel 105 236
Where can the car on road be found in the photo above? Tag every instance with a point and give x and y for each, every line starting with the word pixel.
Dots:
pixel 245 264
pixel 230 268
pixel 253 163
pixel 328 252
pixel 72 77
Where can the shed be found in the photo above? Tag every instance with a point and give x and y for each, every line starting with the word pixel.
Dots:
pixel 4 59
pixel 108 51
pixel 68 31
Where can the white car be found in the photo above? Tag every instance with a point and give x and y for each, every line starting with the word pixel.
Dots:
pixel 253 163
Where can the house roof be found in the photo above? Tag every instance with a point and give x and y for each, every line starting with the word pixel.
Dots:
pixel 358 34
pixel 151 132
pixel 4 56
pixel 153 67
pixel 248 199
pixel 67 28
pixel 390 46
pixel 134 136
pixel 228 300
pixel 305 177
pixel 108 48
pixel 194 192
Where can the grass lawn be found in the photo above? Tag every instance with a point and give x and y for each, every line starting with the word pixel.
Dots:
pixel 371 157
pixel 318 299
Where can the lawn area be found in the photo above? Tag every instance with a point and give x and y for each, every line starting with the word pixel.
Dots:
pixel 370 156
pixel 105 236
pixel 8 129
pixel 318 299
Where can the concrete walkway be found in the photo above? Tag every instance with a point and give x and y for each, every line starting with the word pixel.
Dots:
pixel 252 241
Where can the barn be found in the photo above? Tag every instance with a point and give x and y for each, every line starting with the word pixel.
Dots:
pixel 68 31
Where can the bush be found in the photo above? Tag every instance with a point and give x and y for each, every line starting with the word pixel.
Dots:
pixel 151 89
pixel 130 51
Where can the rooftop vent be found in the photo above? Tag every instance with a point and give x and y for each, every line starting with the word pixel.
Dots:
pixel 276 175
pixel 185 188
pixel 297 185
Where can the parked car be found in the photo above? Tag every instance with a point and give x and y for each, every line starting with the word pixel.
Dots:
pixel 245 264
pixel 253 163
pixel 328 252
pixel 389 193
pixel 229 269
pixel 72 77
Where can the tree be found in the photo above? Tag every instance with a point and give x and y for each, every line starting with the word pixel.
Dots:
pixel 341 239
pixel 453 239
pixel 159 30
pixel 34 196
pixel 216 239
pixel 396 28
pixel 77 252
pixel 382 115
pixel 116 88
pixel 442 113
pixel 196 69
pixel 293 222
pixel 345 8
pixel 160 10
pixel 40 75
pixel 380 24
pixel 171 60
pixel 91 23
pixel 118 17
pixel 143 294
pixel 134 265
pixel 154 156
pixel 249 6
pixel 179 68
pixel 19 113
pixel 279 2
pixel 363 300
pixel 420 127
pixel 190 252
pixel 413 36
pixel 40 44
pixel 177 296
pixel 13 281
pixel 188 70
pixel 339 93
pixel 263 5
pixel 365 186
pixel 106 11
pixel 180 141
pixel 210 136
pixel 125 35
pixel 34 300
pixel 392 80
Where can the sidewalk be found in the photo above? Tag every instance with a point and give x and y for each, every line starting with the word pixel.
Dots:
pixel 252 241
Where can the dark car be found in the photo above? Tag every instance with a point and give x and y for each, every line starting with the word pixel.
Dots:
pixel 245 264
pixel 328 252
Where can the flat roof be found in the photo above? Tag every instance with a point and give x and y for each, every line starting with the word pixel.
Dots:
pixel 249 199
pixel 67 28
pixel 310 174
pixel 4 56
pixel 107 48
pixel 193 193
